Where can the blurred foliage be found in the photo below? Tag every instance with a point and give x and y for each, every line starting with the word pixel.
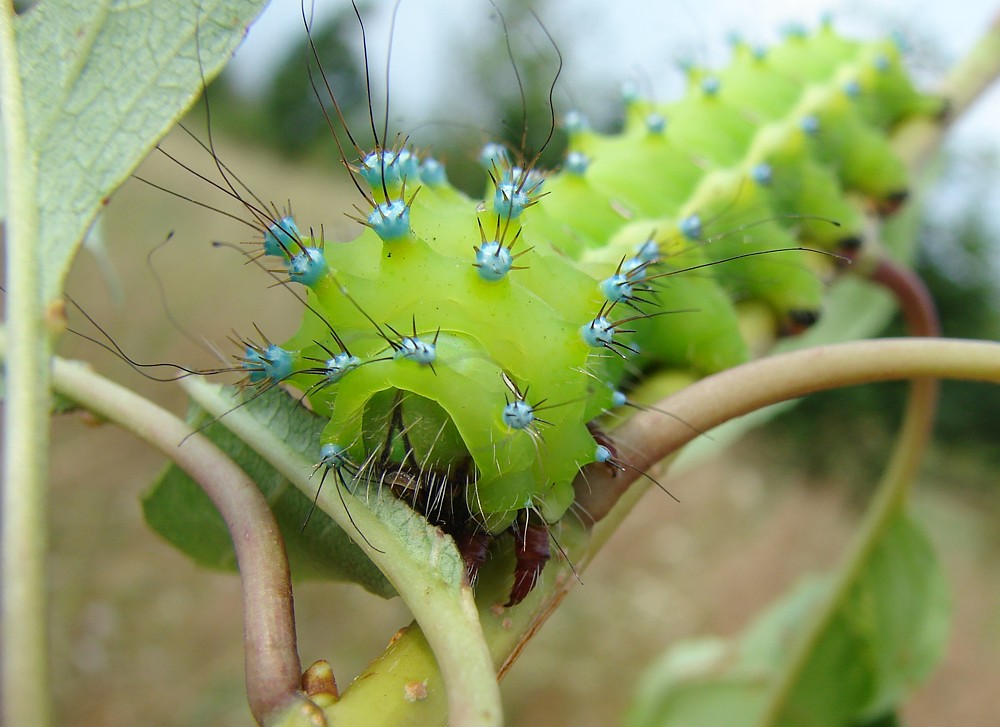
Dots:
pixel 287 115
pixel 521 65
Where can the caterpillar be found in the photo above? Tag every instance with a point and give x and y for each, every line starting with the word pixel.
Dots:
pixel 461 350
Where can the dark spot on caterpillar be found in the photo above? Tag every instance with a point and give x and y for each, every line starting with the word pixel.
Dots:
pixel 851 243
pixel 800 320
pixel 848 249
pixel 892 202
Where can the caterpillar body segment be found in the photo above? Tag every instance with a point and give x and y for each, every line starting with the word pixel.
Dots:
pixel 859 152
pixel 459 348
pixel 804 189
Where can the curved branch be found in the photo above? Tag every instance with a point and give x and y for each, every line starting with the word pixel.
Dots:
pixel 273 670
pixel 743 389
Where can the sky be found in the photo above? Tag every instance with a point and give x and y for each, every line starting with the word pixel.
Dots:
pixel 621 41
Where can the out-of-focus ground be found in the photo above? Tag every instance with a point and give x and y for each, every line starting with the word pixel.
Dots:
pixel 142 636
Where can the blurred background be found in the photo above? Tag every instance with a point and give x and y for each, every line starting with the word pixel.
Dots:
pixel 142 635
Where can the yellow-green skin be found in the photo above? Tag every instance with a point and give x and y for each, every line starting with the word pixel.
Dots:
pixel 520 336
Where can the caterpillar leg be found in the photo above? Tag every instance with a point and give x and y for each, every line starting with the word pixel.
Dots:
pixel 474 548
pixel 531 549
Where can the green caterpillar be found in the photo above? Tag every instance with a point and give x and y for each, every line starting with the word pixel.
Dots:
pixel 461 348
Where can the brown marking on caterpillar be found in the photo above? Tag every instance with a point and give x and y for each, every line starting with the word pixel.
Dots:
pixel 798 321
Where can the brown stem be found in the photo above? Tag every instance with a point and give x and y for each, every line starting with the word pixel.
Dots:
pixel 915 301
pixel 921 317
pixel 273 670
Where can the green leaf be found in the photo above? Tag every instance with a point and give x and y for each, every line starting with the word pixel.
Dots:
pixel 691 685
pixel 179 510
pixel 103 80
pixel 887 632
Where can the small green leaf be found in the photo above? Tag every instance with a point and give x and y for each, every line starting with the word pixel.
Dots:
pixel 103 80
pixel 691 685
pixel 178 509
pixel 887 632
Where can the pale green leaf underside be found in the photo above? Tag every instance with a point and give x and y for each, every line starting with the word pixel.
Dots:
pixel 103 80
pixel 275 440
